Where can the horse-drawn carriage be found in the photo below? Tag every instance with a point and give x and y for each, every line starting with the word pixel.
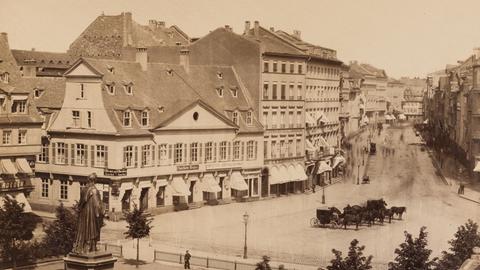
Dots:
pixel 326 216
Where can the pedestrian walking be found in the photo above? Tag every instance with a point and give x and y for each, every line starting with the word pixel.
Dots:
pixel 313 188
pixel 263 265
pixel 186 259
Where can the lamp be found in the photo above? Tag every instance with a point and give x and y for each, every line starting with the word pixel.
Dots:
pixel 245 220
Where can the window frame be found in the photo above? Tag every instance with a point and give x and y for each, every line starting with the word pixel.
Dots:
pixel 178 153
pixel 63 190
pixel 125 118
pixel 6 137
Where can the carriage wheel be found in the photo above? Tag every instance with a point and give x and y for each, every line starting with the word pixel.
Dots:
pixel 314 222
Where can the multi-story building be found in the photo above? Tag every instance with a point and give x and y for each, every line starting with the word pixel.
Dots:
pixel 149 145
pixel 352 107
pixel 394 95
pixel 374 86
pixel 20 131
pixel 42 64
pixel 322 102
pixel 412 105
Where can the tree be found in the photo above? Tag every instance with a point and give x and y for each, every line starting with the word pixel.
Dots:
pixel 60 235
pixel 354 261
pixel 461 246
pixel 138 226
pixel 16 227
pixel 413 254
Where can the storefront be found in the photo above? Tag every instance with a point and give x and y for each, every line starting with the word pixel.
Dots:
pixel 323 173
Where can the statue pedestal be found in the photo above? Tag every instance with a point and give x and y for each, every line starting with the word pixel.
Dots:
pixel 89 261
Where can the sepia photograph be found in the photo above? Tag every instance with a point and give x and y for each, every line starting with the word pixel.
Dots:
pixel 239 135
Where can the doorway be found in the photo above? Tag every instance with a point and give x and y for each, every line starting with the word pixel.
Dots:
pixel 144 199
pixel 190 197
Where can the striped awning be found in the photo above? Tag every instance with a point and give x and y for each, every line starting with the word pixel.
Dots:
pixel 310 146
pixel 237 181
pixel 8 167
pixel 477 167
pixel 301 175
pixel 323 167
pixel 310 119
pixel 20 198
pixel 23 166
pixel 338 160
pixel 179 188
pixel 209 184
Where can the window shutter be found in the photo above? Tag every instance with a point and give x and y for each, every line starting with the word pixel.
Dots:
pixel 255 150
pixel 214 151
pixel 242 151
pixel 54 149
pixel 153 155
pixel 200 152
pixel 92 155
pixel 86 156
pixel 170 153
pixel 185 157
pixel 141 156
pixel 135 149
pixel 106 156
pixel 72 156
pixel 124 157
pixel 229 150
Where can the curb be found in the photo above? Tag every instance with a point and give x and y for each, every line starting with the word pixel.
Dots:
pixel 468 199
pixel 431 154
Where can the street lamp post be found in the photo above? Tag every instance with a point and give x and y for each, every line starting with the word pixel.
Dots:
pixel 323 193
pixel 245 220
pixel 358 179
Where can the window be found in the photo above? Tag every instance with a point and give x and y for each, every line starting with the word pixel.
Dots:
pixel 291 119
pixel 63 190
pixel 299 119
pixel 236 150
pixel 265 67
pixel 129 89
pixel 128 156
pixel 265 152
pixel 89 119
pixel 249 118
pixel 82 90
pixel 275 67
pixel 300 69
pixel 76 118
pixel 283 92
pixel 265 119
pixel 274 119
pixel 299 92
pixel 61 153
pixel 220 91
pixel 162 152
pixel 282 119
pixel 6 137
pixel 273 149
pixel 80 154
pixel 235 117
pixel 299 147
pixel 284 68
pixel 282 149
pixel 194 152
pixel 234 92
pixel 43 156
pixel 127 119
pixel 178 153
pixel 111 88
pixel 146 155
pixel 208 151
pixel 100 156
pixel 291 92
pixel 22 137
pixel 223 151
pixel 19 106
pixel 145 119
pixel 265 91
pixel 36 93
pixel 5 77
pixel 291 148
pixel 2 103
pixel 161 196
pixel 251 150
pixel 274 91
pixel 45 187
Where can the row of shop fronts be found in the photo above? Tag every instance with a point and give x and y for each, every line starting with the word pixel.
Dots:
pixel 16 177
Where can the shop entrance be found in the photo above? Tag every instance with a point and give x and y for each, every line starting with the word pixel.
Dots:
pixel 144 199
pixel 190 197
pixel 126 200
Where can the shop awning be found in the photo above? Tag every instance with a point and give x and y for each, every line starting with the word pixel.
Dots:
pixel 8 167
pixel 237 181
pixel 323 142
pixel 388 117
pixel 338 160
pixel 23 97
pixel 322 117
pixel 301 175
pixel 310 119
pixel 178 187
pixel 477 167
pixel 401 116
pixel 426 121
pixel 209 184
pixel 292 173
pixel 22 165
pixel 323 167
pixel 161 182
pixel 393 117
pixel 275 176
pixel 284 175
pixel 310 146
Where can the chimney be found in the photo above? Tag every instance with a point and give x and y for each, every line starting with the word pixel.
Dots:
pixel 272 29
pixel 161 24
pixel 4 37
pixel 152 24
pixel 247 27
pixel 297 34
pixel 185 59
pixel 228 28
pixel 256 29
pixel 476 52
pixel 127 29
pixel 141 57
pixel 33 49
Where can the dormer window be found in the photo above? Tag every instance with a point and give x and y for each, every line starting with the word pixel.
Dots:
pixel 249 118
pixel 169 72
pixel 129 89
pixel 220 75
pixel 111 69
pixel 234 91
pixel 19 104
pixel 5 77
pixel 220 91
pixel 161 109
pixel 37 92
pixel 82 90
pixel 145 118
pixel 111 88
pixel 127 119
pixel 235 117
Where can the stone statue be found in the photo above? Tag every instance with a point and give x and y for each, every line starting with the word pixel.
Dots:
pixel 90 218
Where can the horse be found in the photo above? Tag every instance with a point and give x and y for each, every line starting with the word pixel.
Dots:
pixel 389 213
pixel 399 211
pixel 355 210
pixel 369 217
pixel 347 218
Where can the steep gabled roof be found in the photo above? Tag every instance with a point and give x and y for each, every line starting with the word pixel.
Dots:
pixel 42 59
pixel 52 90
pixel 367 70
pixel 275 44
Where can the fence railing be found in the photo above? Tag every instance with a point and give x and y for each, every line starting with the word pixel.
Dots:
pixel 204 261
pixel 116 250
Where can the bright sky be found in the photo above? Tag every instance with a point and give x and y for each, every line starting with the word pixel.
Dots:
pixel 406 38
